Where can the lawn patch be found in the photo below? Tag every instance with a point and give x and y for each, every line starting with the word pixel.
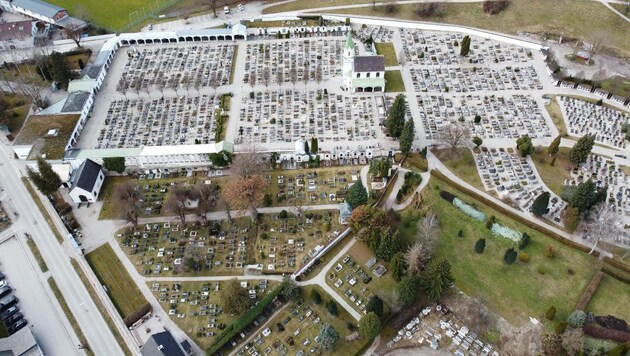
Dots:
pixel 38 255
pixel 111 273
pixel 462 164
pixel 387 50
pixel 394 81
pixel 608 300
pixel 553 176
pixel 556 115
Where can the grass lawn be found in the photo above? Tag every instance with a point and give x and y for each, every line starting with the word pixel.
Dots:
pixel 69 315
pixel 575 18
pixel 611 298
pixel 462 164
pixel 17 112
pixel 553 176
pixel 414 162
pixel 35 132
pixel 38 255
pixel 112 274
pixel 387 49
pixel 394 82
pixel 556 115
pixel 624 9
pixel 617 85
pixel 515 291
pixel 309 4
pixel 42 209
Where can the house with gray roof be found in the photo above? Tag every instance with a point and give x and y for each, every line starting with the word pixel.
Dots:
pixel 86 182
pixel 42 10
pixel 164 344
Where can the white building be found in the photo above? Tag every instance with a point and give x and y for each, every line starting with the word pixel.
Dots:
pixel 41 10
pixel 362 74
pixel 86 182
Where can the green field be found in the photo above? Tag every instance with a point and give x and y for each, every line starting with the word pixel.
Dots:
pixel 38 255
pixel 462 164
pixel 516 291
pixel 387 50
pixel 121 289
pixel 394 82
pixel 607 299
pixel 553 176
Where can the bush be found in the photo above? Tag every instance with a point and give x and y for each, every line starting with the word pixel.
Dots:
pixel 447 196
pixel 267 200
pixel 560 327
pixel 541 270
pixel 550 314
pixel 523 257
pixel 460 233
pixel 576 319
pixel 494 7
pixel 524 241
pixel 490 222
pixel 316 297
pixel 480 245
pixel 332 308
pixel 602 333
pixel 429 9
pixel 550 252
pixel 510 256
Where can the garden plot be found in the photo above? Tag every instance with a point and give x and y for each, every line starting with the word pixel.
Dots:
pixel 425 48
pixel 378 34
pixel 196 307
pixel 293 61
pixel 359 275
pixel 311 187
pixel 159 67
pixel 289 115
pixel 583 117
pixel 514 177
pixel 160 122
pixel 173 248
pixel 295 330
pixel 458 79
pixel 287 241
pixel 501 116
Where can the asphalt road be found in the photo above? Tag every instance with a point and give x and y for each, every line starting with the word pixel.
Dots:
pixel 100 338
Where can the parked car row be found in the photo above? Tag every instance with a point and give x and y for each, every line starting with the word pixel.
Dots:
pixel 10 314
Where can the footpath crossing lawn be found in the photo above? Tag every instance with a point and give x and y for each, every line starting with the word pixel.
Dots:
pixel 121 289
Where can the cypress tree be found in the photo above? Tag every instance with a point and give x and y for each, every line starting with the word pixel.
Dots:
pixel 357 195
pixel 46 180
pixel 436 279
pixel 480 245
pixel 406 137
pixel 539 207
pixel 314 145
pixel 582 148
pixel 554 147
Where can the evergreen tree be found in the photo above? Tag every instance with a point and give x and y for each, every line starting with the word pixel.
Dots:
pixel 357 195
pixel 46 180
pixel 395 121
pixel 375 304
pixel 398 266
pixel 480 245
pixel 477 141
pixel 584 196
pixel 389 246
pixel 524 241
pixel 316 297
pixel 539 207
pixel 465 48
pixel 370 325
pixel 332 307
pixel 582 148
pixel 328 336
pixel 114 164
pixel 525 146
pixel 306 147
pixel 554 147
pixel 314 145
pixel 436 279
pixel 510 256
pixel 60 69
pixel 407 289
pixel 407 136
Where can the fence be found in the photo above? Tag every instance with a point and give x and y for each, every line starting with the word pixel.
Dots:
pixel 160 5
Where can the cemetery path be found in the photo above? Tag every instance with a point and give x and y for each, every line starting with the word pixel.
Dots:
pixel 403 205
pixel 258 330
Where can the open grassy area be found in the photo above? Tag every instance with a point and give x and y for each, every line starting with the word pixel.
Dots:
pixel 414 161
pixel 394 81
pixel 387 49
pixel 110 272
pixel 69 315
pixel 17 111
pixel 462 164
pixel 38 255
pixel 624 9
pixel 581 19
pixel 42 209
pixel 556 115
pixel 35 132
pixel 611 298
pixel 515 291
pixel 553 176
pixel 617 85
pixel 306 4
pixel 100 307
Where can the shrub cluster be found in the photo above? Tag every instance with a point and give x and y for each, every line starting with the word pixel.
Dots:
pixel 429 9
pixel 447 196
pixel 493 7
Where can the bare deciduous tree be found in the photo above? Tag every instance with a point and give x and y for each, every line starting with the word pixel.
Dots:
pixel 597 38
pixel 601 224
pixel 416 257
pixel 207 195
pixel 245 193
pixel 129 205
pixel 454 136
pixel 428 228
pixel 74 32
pixel 176 202
pixel 249 162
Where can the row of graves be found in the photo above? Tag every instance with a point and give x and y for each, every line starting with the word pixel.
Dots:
pixel 289 115
pixel 438 328
pixel 352 279
pixel 501 116
pixel 458 79
pixel 583 117
pixel 426 48
pixel 324 186
pixel 293 61
pixel 177 120
pixel 378 34
pixel 515 177
pixel 198 66
pixel 176 248
pixel 197 305
pixel 604 172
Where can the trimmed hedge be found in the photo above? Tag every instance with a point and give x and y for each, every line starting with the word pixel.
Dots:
pixel 614 274
pixel 137 314
pixel 447 196
pixel 590 290
pixel 619 265
pixel 240 323
pixel 603 333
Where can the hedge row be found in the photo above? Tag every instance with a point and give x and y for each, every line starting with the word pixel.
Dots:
pixel 137 314
pixel 615 274
pixel 603 333
pixel 590 289
pixel 619 265
pixel 240 323
pixel 543 230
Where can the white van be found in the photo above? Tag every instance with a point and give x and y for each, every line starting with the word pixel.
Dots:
pixel 226 9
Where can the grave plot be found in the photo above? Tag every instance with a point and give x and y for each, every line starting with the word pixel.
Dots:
pixel 458 79
pixel 295 330
pixel 289 115
pixel 378 34
pixel 583 117
pixel 286 241
pixel 359 275
pixel 173 248
pixel 311 187
pixel 425 48
pixel 160 122
pixel 158 67
pixel 293 61
pixel 196 306
pixel 499 116
pixel 515 178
